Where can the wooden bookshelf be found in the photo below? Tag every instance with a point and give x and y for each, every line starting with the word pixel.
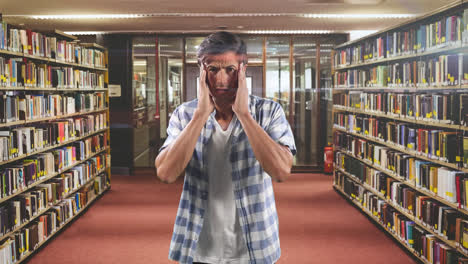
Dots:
pixel 364 55
pixel 403 211
pixel 17 123
pixel 102 148
pixel 434 123
pixel 459 48
pixel 64 225
pixel 51 60
pixel 91 179
pixel 377 221
pixel 53 147
pixel 403 150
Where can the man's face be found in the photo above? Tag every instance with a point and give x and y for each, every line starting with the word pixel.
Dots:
pixel 222 77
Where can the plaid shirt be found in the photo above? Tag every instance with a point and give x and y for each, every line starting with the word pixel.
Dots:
pixel 253 189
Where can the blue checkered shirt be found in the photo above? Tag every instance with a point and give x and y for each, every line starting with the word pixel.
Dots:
pixel 253 189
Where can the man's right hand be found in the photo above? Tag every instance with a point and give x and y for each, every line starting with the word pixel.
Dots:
pixel 205 102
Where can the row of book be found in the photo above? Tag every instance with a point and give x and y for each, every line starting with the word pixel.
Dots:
pixel 444 32
pixel 17 106
pixel 449 108
pixel 432 143
pixel 19 175
pixel 444 70
pixel 425 244
pixel 435 144
pixel 21 243
pixel 34 43
pixel 20 141
pixel 449 184
pixel 22 208
pixel 439 218
pixel 16 72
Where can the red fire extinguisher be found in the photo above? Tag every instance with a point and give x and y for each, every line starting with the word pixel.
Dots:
pixel 328 159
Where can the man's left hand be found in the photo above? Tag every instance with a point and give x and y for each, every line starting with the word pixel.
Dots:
pixel 241 103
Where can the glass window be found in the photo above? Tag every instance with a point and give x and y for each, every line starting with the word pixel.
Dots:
pixel 277 71
pixel 144 73
pixel 254 48
pixel 170 56
pixel 191 47
pixel 306 114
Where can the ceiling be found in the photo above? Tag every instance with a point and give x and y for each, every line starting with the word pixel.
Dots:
pixel 211 15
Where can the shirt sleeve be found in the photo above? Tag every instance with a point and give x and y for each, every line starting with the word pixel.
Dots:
pixel 280 130
pixel 173 130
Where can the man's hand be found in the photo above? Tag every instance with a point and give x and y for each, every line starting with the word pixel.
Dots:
pixel 205 102
pixel 241 103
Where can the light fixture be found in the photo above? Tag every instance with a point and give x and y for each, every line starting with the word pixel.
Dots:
pixel 146 15
pixel 289 31
pixel 359 16
pixel 84 32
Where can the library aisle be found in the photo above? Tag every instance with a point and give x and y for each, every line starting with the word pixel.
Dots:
pixel 133 224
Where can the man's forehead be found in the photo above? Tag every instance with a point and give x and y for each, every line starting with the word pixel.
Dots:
pixel 227 57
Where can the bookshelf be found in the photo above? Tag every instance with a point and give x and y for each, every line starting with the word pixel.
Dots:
pixel 401 132
pixel 54 135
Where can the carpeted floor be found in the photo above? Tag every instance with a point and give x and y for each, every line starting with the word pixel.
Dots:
pixel 133 223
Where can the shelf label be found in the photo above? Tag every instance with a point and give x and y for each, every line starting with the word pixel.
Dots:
pixel 438 153
pixel 458 158
pixel 449 194
pixel 435 189
pixel 466 76
pixel 366 132
pixel 383 192
pixel 410 241
pixel 410 207
pixel 410 145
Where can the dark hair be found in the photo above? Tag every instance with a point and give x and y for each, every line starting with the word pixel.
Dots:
pixel 221 42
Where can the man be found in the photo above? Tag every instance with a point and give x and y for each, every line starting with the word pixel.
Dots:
pixel 231 146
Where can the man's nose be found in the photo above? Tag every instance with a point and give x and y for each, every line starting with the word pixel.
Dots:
pixel 222 78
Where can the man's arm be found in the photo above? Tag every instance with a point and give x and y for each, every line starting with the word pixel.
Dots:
pixel 274 158
pixel 171 162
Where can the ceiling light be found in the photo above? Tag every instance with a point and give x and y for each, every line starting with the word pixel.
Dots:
pixel 84 32
pixel 359 16
pixel 356 34
pixel 145 15
pixel 289 32
pixel 97 16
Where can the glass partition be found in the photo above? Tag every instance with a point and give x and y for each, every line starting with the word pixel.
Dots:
pixel 254 48
pixel 306 115
pixel 277 71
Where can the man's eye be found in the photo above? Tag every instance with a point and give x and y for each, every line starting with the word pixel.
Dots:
pixel 212 69
pixel 230 69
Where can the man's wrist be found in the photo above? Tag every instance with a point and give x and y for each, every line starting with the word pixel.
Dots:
pixel 200 116
pixel 244 116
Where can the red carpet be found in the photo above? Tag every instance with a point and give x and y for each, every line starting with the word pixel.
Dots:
pixel 132 223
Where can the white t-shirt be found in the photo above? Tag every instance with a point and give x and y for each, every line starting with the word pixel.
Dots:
pixel 221 239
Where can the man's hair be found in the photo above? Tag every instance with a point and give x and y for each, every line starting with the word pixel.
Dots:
pixel 221 42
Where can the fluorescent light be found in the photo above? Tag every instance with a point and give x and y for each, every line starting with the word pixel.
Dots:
pixel 97 16
pixel 139 63
pixel 289 31
pixel 356 34
pixel 359 16
pixel 145 15
pixel 84 32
